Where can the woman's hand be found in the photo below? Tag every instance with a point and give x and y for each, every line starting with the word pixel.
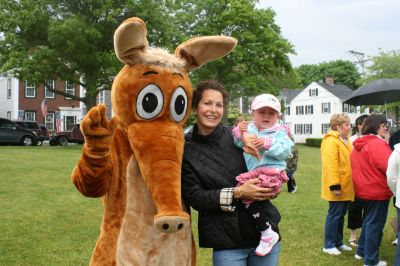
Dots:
pixel 337 193
pixel 250 191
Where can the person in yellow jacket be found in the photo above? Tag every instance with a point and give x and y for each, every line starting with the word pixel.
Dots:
pixel 337 186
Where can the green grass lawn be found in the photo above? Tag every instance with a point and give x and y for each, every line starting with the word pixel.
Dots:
pixel 45 221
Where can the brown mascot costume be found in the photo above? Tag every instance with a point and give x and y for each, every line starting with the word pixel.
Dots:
pixel 133 161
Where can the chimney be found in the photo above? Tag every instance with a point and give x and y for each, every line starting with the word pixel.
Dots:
pixel 329 80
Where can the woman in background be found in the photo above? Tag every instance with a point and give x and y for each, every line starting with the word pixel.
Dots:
pixel 354 215
pixel 337 186
pixel 369 161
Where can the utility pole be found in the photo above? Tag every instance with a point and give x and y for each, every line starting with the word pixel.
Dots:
pixel 360 60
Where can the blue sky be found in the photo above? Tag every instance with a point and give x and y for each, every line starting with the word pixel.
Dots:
pixel 325 30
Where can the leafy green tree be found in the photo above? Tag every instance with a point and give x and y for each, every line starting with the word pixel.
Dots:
pixel 344 72
pixel 384 65
pixel 73 40
pixel 261 56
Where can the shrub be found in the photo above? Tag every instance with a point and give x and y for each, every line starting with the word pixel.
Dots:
pixel 313 142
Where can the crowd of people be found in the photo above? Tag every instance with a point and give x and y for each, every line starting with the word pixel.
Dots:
pixel 358 178
pixel 230 175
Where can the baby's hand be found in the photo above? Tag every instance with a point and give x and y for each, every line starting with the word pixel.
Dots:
pixel 258 143
pixel 243 126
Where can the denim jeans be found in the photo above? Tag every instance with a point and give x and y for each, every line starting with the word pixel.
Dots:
pixel 334 223
pixel 397 258
pixel 375 214
pixel 246 257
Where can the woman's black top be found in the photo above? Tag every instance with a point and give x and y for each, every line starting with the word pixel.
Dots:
pixel 211 163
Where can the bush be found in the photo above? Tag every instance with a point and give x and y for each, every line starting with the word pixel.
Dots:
pixel 313 142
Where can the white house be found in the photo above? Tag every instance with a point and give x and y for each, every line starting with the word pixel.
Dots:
pixel 308 111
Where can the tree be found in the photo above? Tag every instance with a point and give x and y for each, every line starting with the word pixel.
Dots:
pixel 384 65
pixel 344 72
pixel 261 56
pixel 72 40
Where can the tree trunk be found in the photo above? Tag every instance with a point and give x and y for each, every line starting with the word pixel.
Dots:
pixel 90 101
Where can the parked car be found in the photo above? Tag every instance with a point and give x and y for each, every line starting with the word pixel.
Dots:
pixel 71 136
pixel 11 133
pixel 40 130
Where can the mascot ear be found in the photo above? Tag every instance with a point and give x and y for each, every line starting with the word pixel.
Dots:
pixel 201 50
pixel 130 40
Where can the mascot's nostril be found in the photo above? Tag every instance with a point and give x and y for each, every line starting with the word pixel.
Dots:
pixel 180 226
pixel 165 226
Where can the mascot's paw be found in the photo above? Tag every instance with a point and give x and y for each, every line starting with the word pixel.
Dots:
pixel 97 130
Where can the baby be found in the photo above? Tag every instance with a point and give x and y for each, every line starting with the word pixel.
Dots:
pixel 267 145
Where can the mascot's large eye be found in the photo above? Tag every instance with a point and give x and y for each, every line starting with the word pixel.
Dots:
pixel 178 104
pixel 149 102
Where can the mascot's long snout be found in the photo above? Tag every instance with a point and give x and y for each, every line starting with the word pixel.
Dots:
pixel 158 149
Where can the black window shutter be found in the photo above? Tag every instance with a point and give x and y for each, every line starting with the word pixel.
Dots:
pixel 316 92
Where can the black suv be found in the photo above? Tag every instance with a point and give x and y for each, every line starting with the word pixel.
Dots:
pixel 40 130
pixel 11 133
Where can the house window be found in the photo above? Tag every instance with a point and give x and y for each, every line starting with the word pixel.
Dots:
pixel 101 97
pixel 30 115
pixel 30 90
pixel 326 107
pixel 287 110
pixel 69 122
pixel 324 128
pixel 313 92
pixel 309 109
pixel 8 88
pixel 349 109
pixel 298 129
pixel 49 84
pixel 69 88
pixel 308 129
pixel 299 110
pixel 8 114
pixel 49 122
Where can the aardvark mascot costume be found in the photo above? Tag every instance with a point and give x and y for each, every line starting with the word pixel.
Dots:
pixel 133 161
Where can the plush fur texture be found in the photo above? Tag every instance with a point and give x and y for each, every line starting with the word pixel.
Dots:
pixel 133 161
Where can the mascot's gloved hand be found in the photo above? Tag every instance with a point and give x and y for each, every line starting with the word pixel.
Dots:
pixel 98 131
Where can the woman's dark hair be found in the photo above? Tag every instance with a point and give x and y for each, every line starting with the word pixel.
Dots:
pixel 208 85
pixel 373 123
pixel 359 121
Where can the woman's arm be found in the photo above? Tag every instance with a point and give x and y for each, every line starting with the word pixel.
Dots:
pixel 392 171
pixel 224 199
pixel 195 194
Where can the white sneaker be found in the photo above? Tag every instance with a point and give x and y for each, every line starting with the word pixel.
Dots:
pixel 380 263
pixel 394 243
pixel 331 251
pixel 345 248
pixel 358 257
pixel 267 242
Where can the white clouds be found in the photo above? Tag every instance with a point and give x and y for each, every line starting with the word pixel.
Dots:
pixel 325 30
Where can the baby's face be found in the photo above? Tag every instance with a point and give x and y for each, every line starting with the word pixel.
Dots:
pixel 265 117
